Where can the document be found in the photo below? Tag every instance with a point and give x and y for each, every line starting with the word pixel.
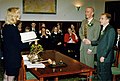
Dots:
pixel 30 65
pixel 28 36
pixel 25 57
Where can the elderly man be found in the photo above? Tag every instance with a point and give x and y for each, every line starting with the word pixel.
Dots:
pixel 90 29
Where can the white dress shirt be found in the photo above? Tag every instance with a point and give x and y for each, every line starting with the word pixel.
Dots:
pixel 90 20
pixel 118 39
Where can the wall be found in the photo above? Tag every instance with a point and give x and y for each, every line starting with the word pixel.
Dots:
pixel 66 10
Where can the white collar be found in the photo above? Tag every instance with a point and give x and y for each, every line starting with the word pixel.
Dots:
pixel 14 24
pixel 105 26
pixel 90 20
pixel 55 32
pixel 33 28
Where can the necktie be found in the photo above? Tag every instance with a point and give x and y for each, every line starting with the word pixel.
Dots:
pixel 85 29
pixel 102 30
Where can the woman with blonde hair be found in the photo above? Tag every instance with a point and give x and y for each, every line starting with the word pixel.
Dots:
pixel 12 45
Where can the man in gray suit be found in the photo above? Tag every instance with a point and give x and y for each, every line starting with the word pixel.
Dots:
pixel 105 51
pixel 90 29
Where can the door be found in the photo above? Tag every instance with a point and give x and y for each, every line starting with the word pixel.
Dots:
pixel 113 7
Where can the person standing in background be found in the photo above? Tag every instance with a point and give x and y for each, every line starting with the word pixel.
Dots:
pixel 118 38
pixel 12 45
pixel 34 28
pixel 90 29
pixel 56 39
pixel 20 27
pixel 117 47
pixel 73 28
pixel 70 41
pixel 45 39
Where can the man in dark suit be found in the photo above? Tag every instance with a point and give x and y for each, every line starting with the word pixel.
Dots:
pixel 34 28
pixel 105 51
pixel 119 44
pixel 117 47
pixel 118 38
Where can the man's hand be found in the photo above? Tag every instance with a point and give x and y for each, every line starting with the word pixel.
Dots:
pixel 59 43
pixel 86 41
pixel 89 51
pixel 102 59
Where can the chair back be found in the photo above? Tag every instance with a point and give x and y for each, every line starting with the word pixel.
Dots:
pixel 117 59
pixel 22 72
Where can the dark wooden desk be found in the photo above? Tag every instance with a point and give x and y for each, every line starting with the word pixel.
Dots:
pixel 73 67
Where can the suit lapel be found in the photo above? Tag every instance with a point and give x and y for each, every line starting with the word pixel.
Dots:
pixel 92 20
pixel 105 31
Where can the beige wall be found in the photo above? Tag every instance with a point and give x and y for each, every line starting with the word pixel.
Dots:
pixel 65 10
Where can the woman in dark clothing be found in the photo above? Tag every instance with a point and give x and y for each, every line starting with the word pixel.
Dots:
pixel 44 39
pixel 12 45
pixel 56 39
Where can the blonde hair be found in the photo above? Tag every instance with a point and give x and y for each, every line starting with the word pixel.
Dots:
pixel 13 14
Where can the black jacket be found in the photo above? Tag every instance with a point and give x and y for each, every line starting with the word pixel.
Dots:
pixel 119 45
pixel 12 46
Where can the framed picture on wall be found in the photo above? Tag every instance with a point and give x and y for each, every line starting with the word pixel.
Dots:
pixel 39 6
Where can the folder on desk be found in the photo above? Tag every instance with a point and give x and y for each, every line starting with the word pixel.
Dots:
pixel 28 36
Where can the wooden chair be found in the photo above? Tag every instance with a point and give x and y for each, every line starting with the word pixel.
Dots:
pixel 84 76
pixel 22 74
pixel 116 67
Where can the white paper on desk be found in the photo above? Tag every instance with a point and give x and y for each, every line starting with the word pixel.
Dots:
pixel 28 36
pixel 25 57
pixel 30 65
pixel 26 62
pixel 41 65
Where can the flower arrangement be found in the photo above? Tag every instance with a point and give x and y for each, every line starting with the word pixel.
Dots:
pixel 35 50
pixel 102 32
pixel 90 24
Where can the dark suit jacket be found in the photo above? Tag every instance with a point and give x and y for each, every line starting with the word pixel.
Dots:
pixel 119 45
pixel 105 44
pixel 116 40
pixel 12 46
pixel 36 31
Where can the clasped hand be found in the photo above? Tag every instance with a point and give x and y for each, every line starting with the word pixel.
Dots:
pixel 86 41
pixel 102 59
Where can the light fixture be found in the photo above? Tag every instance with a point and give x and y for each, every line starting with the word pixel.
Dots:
pixel 77 7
